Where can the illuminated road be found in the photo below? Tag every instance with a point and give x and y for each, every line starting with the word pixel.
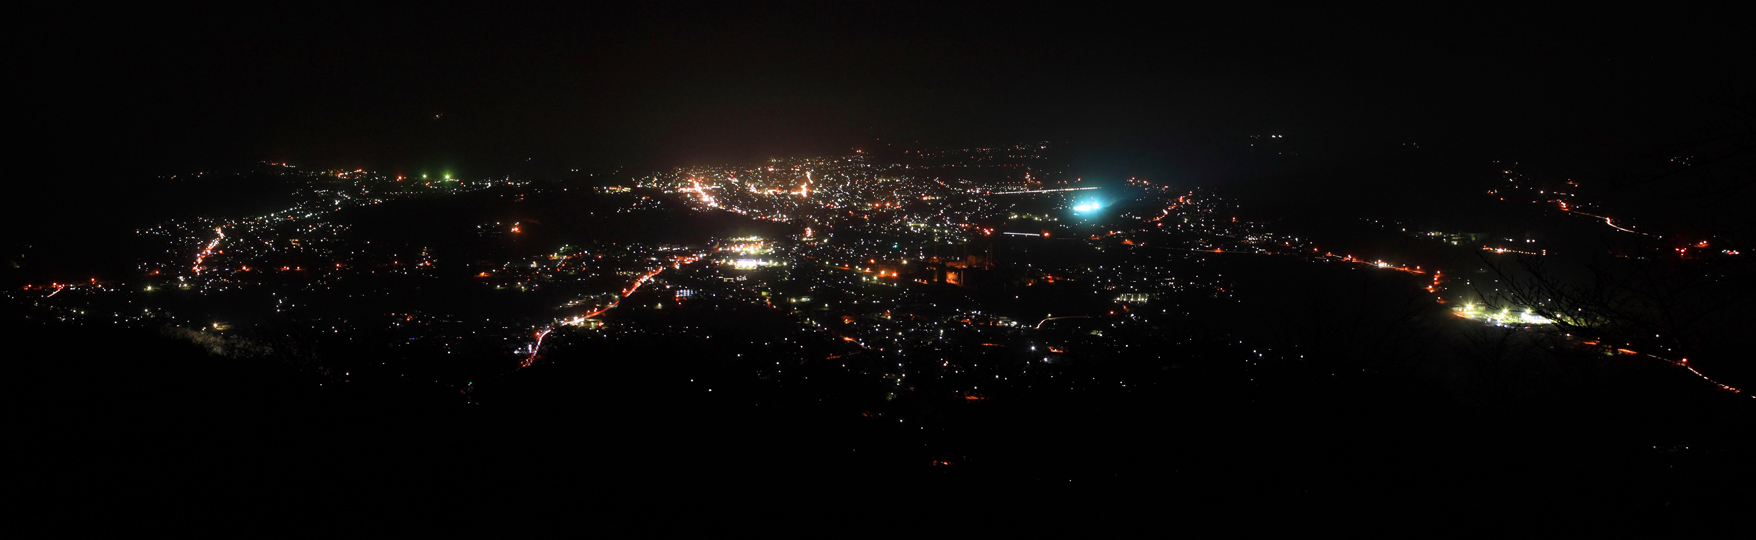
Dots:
pixel 535 347
pixel 205 252
pixel 1040 191
pixel 1613 225
pixel 705 198
pixel 1504 250
pixel 1040 323
pixel 1167 212
pixel 1610 222
pixel 1684 363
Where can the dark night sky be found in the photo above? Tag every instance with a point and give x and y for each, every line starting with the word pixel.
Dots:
pixel 146 91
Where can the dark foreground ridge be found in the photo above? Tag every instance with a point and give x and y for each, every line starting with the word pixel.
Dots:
pixel 129 422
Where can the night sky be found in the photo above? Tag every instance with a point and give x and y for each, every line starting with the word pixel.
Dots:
pixel 1150 92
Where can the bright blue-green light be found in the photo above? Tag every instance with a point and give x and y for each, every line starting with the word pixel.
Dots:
pixel 1087 206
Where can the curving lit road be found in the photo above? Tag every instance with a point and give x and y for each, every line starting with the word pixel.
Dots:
pixel 205 252
pixel 675 263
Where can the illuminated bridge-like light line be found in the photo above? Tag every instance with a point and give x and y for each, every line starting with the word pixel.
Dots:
pixel 1040 191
